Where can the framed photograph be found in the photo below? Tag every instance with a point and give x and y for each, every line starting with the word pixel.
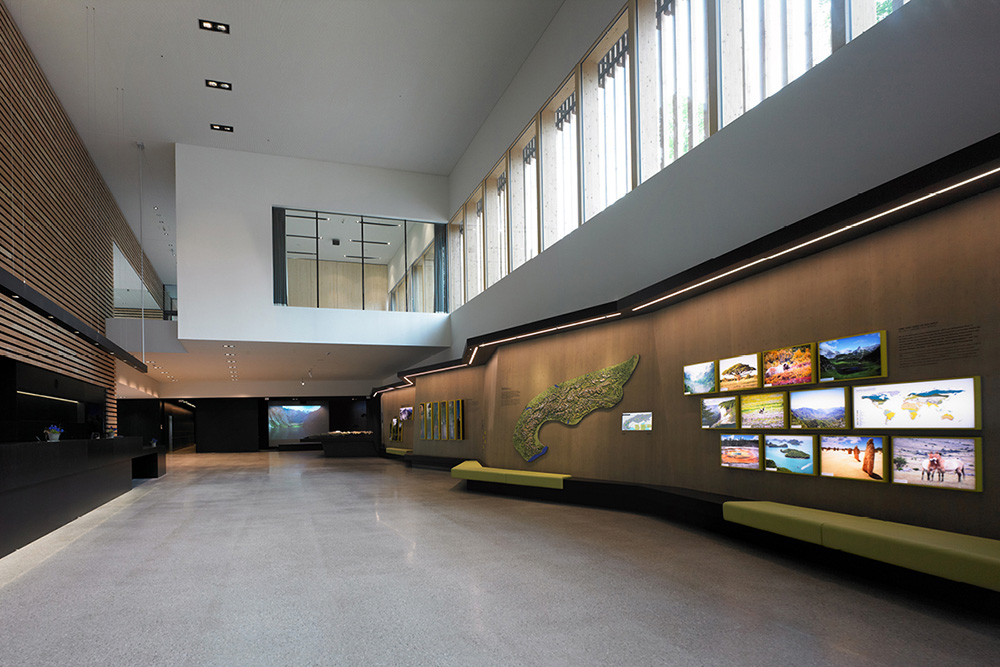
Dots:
pixel 933 404
pixel 460 419
pixel 443 419
pixel 818 408
pixel 741 372
pixel 637 421
pixel 853 358
pixel 435 425
pixel 722 412
pixel 740 450
pixel 764 410
pixel 940 463
pixel 789 365
pixel 451 420
pixel 700 378
pixel 421 421
pixel 406 414
pixel 852 457
pixel 790 453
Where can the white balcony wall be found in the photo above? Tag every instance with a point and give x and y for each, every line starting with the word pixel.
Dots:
pixel 224 255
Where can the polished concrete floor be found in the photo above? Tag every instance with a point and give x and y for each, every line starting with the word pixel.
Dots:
pixel 293 559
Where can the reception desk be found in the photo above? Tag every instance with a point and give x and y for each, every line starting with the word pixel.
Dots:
pixel 45 485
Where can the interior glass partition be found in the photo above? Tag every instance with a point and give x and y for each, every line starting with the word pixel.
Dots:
pixel 355 262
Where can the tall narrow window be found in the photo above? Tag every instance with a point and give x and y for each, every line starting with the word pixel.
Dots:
pixel 474 246
pixel 456 260
pixel 675 100
pixel 866 13
pixel 607 121
pixel 523 186
pixel 495 223
pixel 766 45
pixel 560 166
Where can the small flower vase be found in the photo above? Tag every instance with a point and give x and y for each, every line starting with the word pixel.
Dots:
pixel 53 435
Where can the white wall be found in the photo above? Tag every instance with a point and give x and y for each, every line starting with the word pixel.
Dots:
pixel 920 85
pixel 566 40
pixel 224 278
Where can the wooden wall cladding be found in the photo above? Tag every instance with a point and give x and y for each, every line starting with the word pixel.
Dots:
pixel 465 384
pixel 937 272
pixel 391 403
pixel 58 221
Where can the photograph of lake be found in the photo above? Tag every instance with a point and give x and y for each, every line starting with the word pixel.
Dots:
pixel 790 453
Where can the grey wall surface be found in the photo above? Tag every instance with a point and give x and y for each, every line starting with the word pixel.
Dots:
pixel 916 87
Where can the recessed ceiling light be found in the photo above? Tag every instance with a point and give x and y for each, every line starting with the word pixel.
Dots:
pixel 221 85
pixel 222 128
pixel 214 26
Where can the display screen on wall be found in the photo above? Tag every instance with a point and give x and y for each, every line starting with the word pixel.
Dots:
pixel 818 408
pixel 853 358
pixel 764 410
pixel 790 453
pixel 741 372
pixel 723 412
pixel 852 457
pixel 940 463
pixel 406 414
pixel 637 421
pixel 700 378
pixel 740 450
pixel 287 423
pixel 788 365
pixel 932 404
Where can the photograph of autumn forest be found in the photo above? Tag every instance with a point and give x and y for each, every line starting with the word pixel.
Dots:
pixel 788 365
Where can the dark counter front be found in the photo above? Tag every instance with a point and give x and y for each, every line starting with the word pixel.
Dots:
pixel 45 485
pixel 346 444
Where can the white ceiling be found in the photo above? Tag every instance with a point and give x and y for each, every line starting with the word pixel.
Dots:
pixel 397 84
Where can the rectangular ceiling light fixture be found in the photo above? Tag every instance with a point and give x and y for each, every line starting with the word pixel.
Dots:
pixel 222 128
pixel 221 85
pixel 214 26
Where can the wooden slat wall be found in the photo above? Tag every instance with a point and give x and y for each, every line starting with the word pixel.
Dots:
pixel 58 221
pixel 138 314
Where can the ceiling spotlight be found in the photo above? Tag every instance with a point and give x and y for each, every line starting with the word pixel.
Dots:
pixel 303 384
pixel 214 26
pixel 227 345
pixel 221 85
pixel 222 128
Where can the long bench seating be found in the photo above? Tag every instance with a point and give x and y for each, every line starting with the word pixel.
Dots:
pixel 473 470
pixel 398 451
pixel 965 558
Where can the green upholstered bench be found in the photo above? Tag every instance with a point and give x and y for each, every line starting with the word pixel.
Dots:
pixel 966 558
pixel 475 471
pixel 398 451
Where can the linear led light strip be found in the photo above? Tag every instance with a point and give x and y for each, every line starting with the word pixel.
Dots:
pixel 706 281
pixel 815 240
pixel 550 330
pixel 51 398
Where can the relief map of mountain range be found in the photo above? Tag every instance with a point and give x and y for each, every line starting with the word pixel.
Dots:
pixel 568 403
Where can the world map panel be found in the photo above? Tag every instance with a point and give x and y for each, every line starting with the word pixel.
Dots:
pixel 933 404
